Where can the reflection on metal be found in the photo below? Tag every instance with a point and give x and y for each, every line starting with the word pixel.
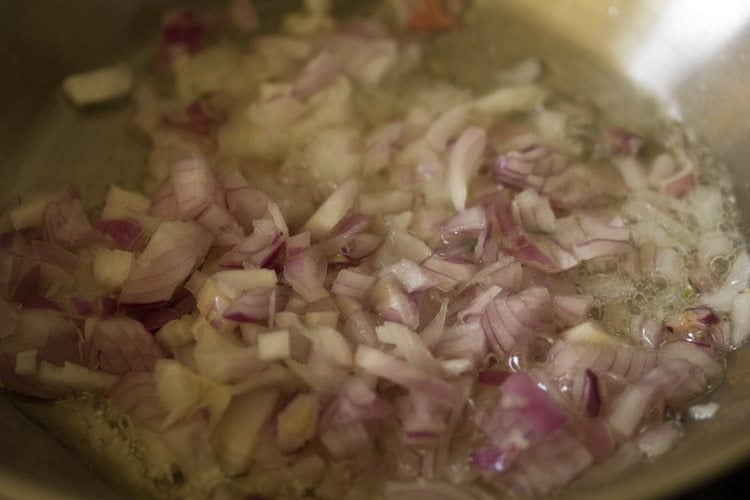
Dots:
pixel 685 35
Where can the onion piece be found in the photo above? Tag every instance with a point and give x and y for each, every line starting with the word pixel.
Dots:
pixel 355 402
pixel 194 186
pixel 306 273
pixel 566 358
pixel 535 405
pixel 74 377
pixel 174 251
pixel 217 219
pixel 472 219
pixel 465 159
pixel 571 310
pixel 549 465
pixel 260 249
pixel 447 126
pixel 119 345
pixel 296 423
pixel 241 280
pixel 463 341
pixel 408 345
pixel 253 306
pixel 379 147
pixel 512 321
pixel 411 276
pixel 533 212
pixel 680 184
pixel 330 344
pixel 478 304
pixel 221 358
pixel 9 318
pixel 245 203
pixel 623 142
pixel 181 392
pixel 237 432
pixel 346 440
pixel 352 284
pixel 26 362
pixel 401 372
pixel 126 233
pixel 703 411
pixel 100 85
pixel 333 210
pixel 409 246
pixel 66 224
pixel 511 99
pixel 30 212
pixel 135 395
pixel 632 173
pixel 389 300
pixel 448 273
pixel 423 420
pixel 432 333
pixel 273 345
pixel 658 439
pixel 112 267
pixel 319 73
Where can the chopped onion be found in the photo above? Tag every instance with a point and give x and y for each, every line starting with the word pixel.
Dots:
pixel 26 362
pixel 623 142
pixel 468 249
pixel 333 210
pixel 658 439
pixel 181 392
pixel 73 377
pixel 703 411
pixel 571 310
pixel 296 423
pixel 401 372
pixel 135 395
pixel 174 251
pixel 119 345
pixel 221 358
pixel 465 159
pixel 66 224
pixel 112 267
pixel 346 440
pixel 100 85
pixel 306 273
pixel 392 303
pixel 194 186
pixel 408 345
pixel 511 99
pixel 352 284
pixel 411 276
pixel 533 212
pixel 513 320
pixel 126 233
pixel 273 345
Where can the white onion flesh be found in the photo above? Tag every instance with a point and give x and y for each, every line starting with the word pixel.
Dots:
pixel 346 266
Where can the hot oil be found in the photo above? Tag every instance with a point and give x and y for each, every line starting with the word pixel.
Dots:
pixel 468 60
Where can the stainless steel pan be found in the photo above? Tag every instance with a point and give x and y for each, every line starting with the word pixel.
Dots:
pixel 691 56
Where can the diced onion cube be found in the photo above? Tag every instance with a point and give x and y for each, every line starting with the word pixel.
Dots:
pixel 273 345
pixel 101 85
pixel 111 267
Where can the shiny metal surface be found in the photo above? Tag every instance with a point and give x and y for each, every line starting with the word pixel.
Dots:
pixel 691 56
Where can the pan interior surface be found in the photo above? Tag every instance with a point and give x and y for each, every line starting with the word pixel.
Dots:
pixel 627 58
